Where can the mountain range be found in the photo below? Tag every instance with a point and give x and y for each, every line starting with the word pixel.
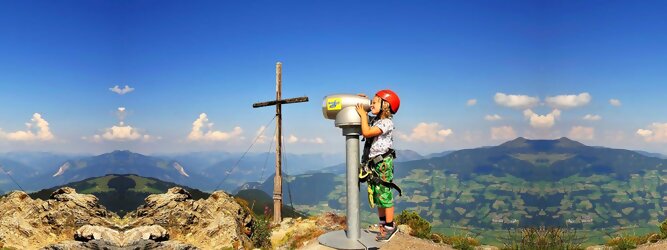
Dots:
pixel 525 182
pixel 202 170
pixel 518 183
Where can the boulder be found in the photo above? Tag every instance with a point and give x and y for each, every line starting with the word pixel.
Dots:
pixel 217 222
pixel 27 223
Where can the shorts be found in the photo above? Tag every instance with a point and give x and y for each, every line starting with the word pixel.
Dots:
pixel 382 195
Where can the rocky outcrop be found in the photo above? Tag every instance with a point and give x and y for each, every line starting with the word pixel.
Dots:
pixel 217 222
pixel 294 233
pixel 101 244
pixel 121 238
pixel 27 224
pixel 68 220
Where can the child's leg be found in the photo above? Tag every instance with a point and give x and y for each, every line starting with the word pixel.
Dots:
pixel 389 213
pixel 382 212
pixel 382 216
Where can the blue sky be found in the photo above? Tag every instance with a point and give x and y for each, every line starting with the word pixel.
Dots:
pixel 182 59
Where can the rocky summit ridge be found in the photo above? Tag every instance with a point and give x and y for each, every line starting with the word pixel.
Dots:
pixel 173 220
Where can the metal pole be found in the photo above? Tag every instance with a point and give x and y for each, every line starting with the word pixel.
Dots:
pixel 348 120
pixel 352 148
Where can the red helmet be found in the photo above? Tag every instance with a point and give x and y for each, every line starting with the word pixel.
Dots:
pixel 390 97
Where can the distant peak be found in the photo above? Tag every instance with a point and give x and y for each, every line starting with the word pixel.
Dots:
pixel 562 142
pixel 120 153
pixel 518 142
pixel 567 142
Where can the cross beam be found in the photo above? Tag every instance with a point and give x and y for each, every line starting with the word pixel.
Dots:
pixel 277 180
pixel 283 101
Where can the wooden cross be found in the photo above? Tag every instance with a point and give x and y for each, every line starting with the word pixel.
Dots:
pixel 277 180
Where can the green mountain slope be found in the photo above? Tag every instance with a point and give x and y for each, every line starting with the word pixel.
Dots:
pixel 120 193
pixel 124 193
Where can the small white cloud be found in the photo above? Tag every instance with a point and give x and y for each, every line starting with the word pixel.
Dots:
pixel 590 117
pixel 656 132
pixel 568 101
pixel 615 102
pixel 644 132
pixel 582 133
pixel 503 133
pixel 36 130
pixel 471 102
pixel 515 101
pixel 541 121
pixel 493 117
pixel 427 132
pixel 121 91
pixel 261 137
pixel 294 139
pixel 150 138
pixel 122 133
pixel 200 124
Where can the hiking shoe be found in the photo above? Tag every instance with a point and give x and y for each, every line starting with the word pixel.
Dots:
pixel 376 227
pixel 386 233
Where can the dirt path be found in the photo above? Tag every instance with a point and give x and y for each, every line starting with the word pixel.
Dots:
pixel 400 241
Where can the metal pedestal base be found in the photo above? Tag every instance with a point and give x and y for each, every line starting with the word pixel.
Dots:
pixel 338 240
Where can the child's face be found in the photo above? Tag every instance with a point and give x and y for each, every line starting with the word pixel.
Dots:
pixel 375 105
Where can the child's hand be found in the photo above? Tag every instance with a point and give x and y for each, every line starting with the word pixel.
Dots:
pixel 360 109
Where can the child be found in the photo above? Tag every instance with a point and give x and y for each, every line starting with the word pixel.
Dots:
pixel 378 157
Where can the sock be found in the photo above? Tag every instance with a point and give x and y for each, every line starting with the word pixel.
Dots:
pixel 389 224
pixel 383 220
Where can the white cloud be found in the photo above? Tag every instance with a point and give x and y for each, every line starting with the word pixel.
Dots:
pixel 503 133
pixel 427 132
pixel 644 132
pixel 590 117
pixel 122 133
pixel 656 132
pixel 261 137
pixel 493 117
pixel 200 124
pixel 294 139
pixel 116 89
pixel 615 102
pixel 515 101
pixel 582 133
pixel 36 130
pixel 568 101
pixel 541 121
pixel 471 102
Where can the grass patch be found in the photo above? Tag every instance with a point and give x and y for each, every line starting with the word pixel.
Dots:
pixel 100 185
